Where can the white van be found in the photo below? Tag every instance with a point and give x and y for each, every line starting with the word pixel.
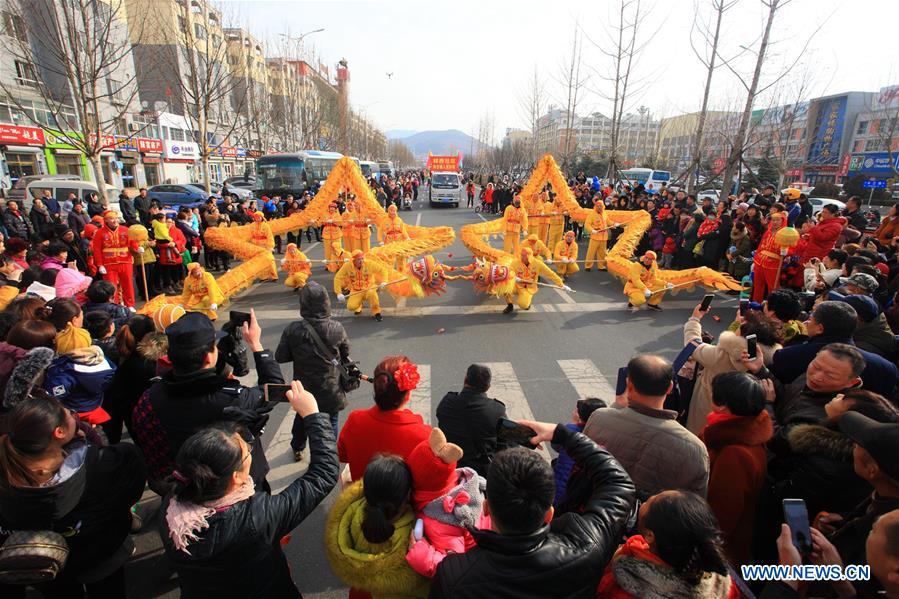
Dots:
pixel 60 188
pixel 445 188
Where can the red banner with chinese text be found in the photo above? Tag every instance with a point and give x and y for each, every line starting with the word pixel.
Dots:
pixel 26 136
pixel 444 163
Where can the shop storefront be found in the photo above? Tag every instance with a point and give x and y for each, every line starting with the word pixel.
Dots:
pixel 179 159
pixel 151 156
pixel 21 152
pixel 128 159
pixel 64 159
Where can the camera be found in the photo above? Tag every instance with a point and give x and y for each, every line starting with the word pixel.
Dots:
pixel 233 351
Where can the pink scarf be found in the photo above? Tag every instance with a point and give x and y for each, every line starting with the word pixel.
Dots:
pixel 186 519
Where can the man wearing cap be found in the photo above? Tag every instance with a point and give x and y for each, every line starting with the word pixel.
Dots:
pixel 261 233
pixel 201 292
pixel 392 227
pixel 356 226
pixel 765 199
pixel 767 261
pixel 566 256
pixel 528 269
pixel 644 286
pixel 873 333
pixel 359 281
pixel 875 459
pixel 859 284
pixel 194 395
pixel 597 225
pixel 515 220
pixel 555 217
pixel 111 251
pixel 535 208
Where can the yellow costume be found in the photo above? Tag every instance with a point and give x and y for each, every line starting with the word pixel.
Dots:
pixel 332 233
pixel 515 220
pixel 356 234
pixel 554 223
pixel 297 266
pixel 642 279
pixel 537 247
pixel 201 293
pixel 566 256
pixel 261 233
pixel 359 282
pixel 596 224
pixel 526 276
pixel 349 218
pixel 392 228
pixel 535 208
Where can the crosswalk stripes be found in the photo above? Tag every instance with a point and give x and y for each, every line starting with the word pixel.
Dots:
pixel 587 380
pixel 505 387
pixel 420 398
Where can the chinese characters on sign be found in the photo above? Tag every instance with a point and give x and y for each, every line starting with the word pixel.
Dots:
pixel 444 163
pixel 28 136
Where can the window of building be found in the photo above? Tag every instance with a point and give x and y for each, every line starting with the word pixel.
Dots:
pixel 199 31
pixel 182 25
pixel 859 146
pixel 114 88
pixel 25 74
pixel 862 128
pixel 14 25
pixel 176 134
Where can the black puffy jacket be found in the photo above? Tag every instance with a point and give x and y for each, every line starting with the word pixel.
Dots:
pixel 239 554
pixel 17 225
pixel 468 419
pixel 565 558
pixel 310 367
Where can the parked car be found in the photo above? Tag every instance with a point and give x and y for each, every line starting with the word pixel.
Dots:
pixel 61 188
pixel 247 182
pixel 17 191
pixel 712 194
pixel 819 203
pixel 179 195
pixel 241 193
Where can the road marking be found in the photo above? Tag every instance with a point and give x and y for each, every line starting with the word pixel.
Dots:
pixel 420 400
pixel 505 387
pixel 587 380
pixel 312 247
pixel 279 453
pixel 418 220
pixel 564 295
pixel 482 216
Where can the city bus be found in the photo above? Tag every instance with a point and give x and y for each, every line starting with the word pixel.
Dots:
pixel 385 167
pixel 370 169
pixel 292 173
pixel 652 180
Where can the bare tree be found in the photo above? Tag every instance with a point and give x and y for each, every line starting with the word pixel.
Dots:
pixel 888 126
pixel 78 55
pixel 531 104
pixel 400 154
pixel 574 84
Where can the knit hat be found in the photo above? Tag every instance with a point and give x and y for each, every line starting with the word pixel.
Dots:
pixel 166 315
pixel 433 466
pixel 72 338
pixel 883 268
pixel 26 375
pixel 111 214
pixel 70 282
pixel 743 206
pixel 358 254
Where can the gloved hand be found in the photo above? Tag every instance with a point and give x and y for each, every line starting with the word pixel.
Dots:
pixel 102 270
pixel 341 297
pixel 382 286
pixel 140 249
pixel 566 287
pixel 254 419
pixel 213 307
pixel 669 286
pixel 647 293
pixel 549 260
pixel 380 243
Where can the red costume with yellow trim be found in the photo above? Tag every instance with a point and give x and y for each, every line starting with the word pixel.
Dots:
pixel 111 249
pixel 767 261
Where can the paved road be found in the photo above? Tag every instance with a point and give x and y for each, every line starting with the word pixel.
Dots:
pixel 569 345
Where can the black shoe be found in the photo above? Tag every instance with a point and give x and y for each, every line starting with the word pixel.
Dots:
pixel 378 317
pixel 654 308
pixel 509 308
pixel 586 270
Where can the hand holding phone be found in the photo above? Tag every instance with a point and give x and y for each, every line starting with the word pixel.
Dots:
pixel 239 318
pixel 512 432
pixel 744 307
pixel 796 517
pixel 752 346
pixel 706 302
pixel 276 392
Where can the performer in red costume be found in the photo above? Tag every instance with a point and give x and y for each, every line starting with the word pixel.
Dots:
pixel 110 248
pixel 767 261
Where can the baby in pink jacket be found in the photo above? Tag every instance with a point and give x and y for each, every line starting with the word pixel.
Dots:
pixel 448 500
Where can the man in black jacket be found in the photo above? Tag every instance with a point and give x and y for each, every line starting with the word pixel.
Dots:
pixel 128 210
pixel 310 365
pixel 142 205
pixel 194 395
pixel 528 553
pixel 468 419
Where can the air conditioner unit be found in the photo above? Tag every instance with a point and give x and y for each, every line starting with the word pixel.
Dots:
pixel 134 126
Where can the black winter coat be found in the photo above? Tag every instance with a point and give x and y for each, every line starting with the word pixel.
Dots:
pixel 563 559
pixel 239 555
pixel 310 367
pixel 17 225
pixel 468 419
pixel 129 212
pixel 43 223
pixel 96 500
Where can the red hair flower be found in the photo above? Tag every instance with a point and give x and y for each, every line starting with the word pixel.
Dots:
pixel 406 376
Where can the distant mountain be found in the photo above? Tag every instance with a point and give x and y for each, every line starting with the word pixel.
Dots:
pixel 449 142
pixel 400 133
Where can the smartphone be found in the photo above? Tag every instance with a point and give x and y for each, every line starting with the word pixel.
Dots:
pixel 419 531
pixel 744 307
pixel 751 346
pixel 238 318
pixel 276 392
pixel 706 302
pixel 621 382
pixel 512 432
pixel 796 517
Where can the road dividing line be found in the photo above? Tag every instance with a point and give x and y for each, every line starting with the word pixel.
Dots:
pixel 505 387
pixel 587 380
pixel 418 219
pixel 420 398
pixel 482 216
pixel 564 295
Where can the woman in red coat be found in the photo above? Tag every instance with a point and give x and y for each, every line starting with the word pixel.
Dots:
pixel 818 239
pixel 889 228
pixel 488 197
pixel 388 426
pixel 735 436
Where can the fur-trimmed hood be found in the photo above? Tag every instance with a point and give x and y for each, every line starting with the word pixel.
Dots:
pixel 739 431
pixel 818 440
pixel 153 346
pixel 28 374
pixel 648 580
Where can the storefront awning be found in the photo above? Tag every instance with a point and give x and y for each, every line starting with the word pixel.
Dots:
pixel 24 150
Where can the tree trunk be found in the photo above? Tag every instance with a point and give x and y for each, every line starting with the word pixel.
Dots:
pixel 204 160
pixel 700 126
pixel 97 167
pixel 736 152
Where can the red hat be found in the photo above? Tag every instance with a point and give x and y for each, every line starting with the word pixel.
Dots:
pixel 89 231
pixel 97 219
pixel 433 466
pixel 358 254
pixel 883 268
pixel 264 198
pixel 257 216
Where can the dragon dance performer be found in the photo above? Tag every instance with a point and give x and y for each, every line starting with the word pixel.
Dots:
pixel 261 233
pixel 533 205
pixel 566 256
pixel 554 221
pixel 528 271
pixel 297 266
pixel 515 220
pixel 111 250
pixel 644 286
pixel 355 229
pixel 767 261
pixel 331 237
pixel 358 281
pixel 537 247
pixel 392 228
pixel 201 292
pixel 597 225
